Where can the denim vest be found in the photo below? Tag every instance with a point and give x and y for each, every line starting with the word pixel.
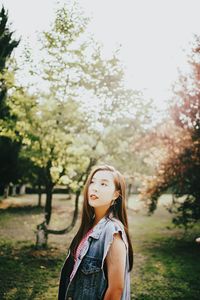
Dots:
pixel 89 281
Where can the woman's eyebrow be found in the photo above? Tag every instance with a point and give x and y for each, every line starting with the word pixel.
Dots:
pixel 102 179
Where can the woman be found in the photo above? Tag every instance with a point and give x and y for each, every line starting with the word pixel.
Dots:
pixel 100 256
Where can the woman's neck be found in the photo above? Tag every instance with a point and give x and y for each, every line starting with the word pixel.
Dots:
pixel 99 214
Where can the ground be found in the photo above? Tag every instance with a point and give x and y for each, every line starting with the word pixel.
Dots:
pixel 166 260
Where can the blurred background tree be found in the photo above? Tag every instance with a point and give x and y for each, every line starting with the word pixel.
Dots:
pixel 9 149
pixel 72 119
pixel 179 172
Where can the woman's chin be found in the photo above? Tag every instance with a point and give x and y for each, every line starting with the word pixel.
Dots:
pixel 92 203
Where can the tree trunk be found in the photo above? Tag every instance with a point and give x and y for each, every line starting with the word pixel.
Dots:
pixel 39 196
pixel 128 195
pixel 74 219
pixel 41 236
pixel 22 189
pixel 42 231
pixel 48 204
pixel 14 189
pixel 75 216
pixel 129 189
pixel 6 191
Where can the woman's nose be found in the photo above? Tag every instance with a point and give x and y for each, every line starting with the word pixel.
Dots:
pixel 95 188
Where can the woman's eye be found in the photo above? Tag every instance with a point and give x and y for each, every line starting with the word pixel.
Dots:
pixel 103 183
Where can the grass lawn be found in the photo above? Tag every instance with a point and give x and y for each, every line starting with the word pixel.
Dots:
pixel 166 261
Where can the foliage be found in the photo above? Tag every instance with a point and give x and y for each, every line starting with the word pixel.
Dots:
pixel 7 44
pixel 81 98
pixel 9 149
pixel 60 125
pixel 180 170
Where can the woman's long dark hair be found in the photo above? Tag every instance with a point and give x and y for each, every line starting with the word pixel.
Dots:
pixel 118 210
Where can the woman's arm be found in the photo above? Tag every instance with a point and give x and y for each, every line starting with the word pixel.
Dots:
pixel 115 261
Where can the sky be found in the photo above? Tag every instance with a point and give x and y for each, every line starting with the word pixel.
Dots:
pixel 154 35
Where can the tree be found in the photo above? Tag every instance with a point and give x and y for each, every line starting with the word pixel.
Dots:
pixel 9 149
pixel 180 170
pixel 7 44
pixel 59 128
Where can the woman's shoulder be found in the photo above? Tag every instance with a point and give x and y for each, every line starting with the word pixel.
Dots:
pixel 114 224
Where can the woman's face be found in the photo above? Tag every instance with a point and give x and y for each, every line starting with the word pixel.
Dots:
pixel 101 190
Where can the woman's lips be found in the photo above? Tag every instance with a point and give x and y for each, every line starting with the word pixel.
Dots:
pixel 93 197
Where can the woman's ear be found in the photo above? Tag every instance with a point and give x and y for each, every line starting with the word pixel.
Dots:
pixel 116 194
